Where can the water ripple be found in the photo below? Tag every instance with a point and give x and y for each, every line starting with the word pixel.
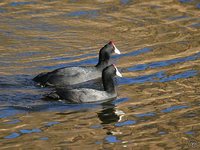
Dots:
pixel 185 1
pixel 125 2
pixel 55 34
pixel 22 131
pixel 40 26
pixel 14 121
pixel 2 10
pixel 173 108
pixel 178 17
pixel 148 114
pixel 141 79
pixel 90 61
pixel 165 63
pixel 195 25
pixel 27 131
pixel 86 13
pixel 15 4
pixel 134 53
pixel 125 123
pixel 7 112
pixel 158 77
pixel 112 139
pixel 43 138
pixel 190 132
pixel 12 136
pixel 198 6
pixel 49 124
pixel 186 74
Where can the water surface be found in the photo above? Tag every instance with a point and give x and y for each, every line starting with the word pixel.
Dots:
pixel 158 104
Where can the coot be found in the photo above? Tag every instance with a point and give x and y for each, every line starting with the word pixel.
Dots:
pixel 73 75
pixel 87 95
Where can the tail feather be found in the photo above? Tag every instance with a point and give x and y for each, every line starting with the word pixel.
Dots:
pixel 42 78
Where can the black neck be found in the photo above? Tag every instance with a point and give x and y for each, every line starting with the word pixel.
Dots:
pixel 103 60
pixel 102 64
pixel 108 83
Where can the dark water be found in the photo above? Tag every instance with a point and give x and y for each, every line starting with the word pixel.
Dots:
pixel 158 104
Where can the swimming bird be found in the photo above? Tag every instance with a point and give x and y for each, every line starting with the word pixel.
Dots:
pixel 74 75
pixel 87 95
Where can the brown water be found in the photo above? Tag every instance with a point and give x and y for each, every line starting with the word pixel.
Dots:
pixel 158 105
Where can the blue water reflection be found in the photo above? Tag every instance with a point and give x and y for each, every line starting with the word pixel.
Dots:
pixel 81 13
pixel 190 132
pixel 162 132
pixel 49 124
pixel 142 79
pixel 173 108
pixel 44 138
pixel 96 126
pixel 125 123
pixel 119 101
pixel 12 136
pixel 14 121
pixel 185 1
pixel 125 2
pixel 112 139
pixel 196 25
pixel 186 74
pixel 26 131
pixel 198 6
pixel 15 4
pixel 158 77
pixel 7 112
pixel 165 63
pixel 2 10
pixel 22 131
pixel 98 142
pixel 148 114
pixel 178 17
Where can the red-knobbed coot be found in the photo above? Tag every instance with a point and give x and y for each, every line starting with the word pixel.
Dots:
pixel 87 95
pixel 73 75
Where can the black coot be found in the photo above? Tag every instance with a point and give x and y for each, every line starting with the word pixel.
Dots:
pixel 86 95
pixel 74 75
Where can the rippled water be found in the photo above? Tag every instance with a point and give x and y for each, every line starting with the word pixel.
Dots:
pixel 158 105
